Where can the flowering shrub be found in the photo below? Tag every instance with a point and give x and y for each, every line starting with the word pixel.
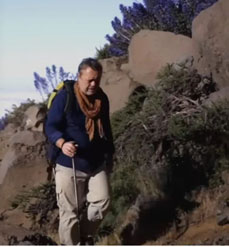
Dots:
pixel 53 77
pixel 3 122
pixel 166 15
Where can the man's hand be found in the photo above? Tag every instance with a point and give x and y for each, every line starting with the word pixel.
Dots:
pixel 69 148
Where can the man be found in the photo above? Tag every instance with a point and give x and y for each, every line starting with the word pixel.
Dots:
pixel 84 138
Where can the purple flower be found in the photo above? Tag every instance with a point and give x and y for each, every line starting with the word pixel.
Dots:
pixel 167 15
pixel 45 85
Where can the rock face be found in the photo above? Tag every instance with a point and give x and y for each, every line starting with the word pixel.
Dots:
pixel 22 166
pixel 222 94
pixel 149 51
pixel 22 162
pixel 116 83
pixel 32 116
pixel 211 39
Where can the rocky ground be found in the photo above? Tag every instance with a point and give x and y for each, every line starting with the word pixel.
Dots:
pixel 22 167
pixel 22 159
pixel 206 224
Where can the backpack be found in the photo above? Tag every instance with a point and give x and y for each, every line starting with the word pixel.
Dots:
pixel 68 85
pixel 52 150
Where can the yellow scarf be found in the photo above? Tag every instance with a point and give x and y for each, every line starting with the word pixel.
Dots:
pixel 91 109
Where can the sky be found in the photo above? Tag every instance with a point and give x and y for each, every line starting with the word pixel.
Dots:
pixel 35 34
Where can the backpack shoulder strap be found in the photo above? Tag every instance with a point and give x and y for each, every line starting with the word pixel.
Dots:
pixel 53 94
pixel 68 84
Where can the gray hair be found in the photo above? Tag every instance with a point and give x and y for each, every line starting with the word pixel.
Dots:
pixel 92 63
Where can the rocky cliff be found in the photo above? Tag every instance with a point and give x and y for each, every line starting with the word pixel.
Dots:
pixel 149 51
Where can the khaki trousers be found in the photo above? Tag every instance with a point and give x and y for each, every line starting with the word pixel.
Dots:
pixel 93 191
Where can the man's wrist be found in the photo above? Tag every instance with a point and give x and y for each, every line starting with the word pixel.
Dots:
pixel 62 145
pixel 60 142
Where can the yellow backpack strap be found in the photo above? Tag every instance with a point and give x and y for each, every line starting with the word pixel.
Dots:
pixel 54 93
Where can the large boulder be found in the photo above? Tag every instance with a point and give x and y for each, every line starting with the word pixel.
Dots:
pixel 221 95
pixel 22 162
pixel 116 82
pixel 211 38
pixel 149 51
pixel 34 116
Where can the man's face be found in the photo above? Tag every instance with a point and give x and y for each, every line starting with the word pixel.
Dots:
pixel 89 81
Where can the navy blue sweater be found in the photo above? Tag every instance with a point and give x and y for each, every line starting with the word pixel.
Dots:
pixel 71 126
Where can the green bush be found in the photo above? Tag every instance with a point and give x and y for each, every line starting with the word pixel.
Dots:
pixel 16 115
pixel 37 202
pixel 124 193
pixel 167 141
pixel 103 53
pixel 121 119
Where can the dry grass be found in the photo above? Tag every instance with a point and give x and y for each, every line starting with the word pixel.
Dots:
pixel 112 239
pixel 202 217
pixel 208 200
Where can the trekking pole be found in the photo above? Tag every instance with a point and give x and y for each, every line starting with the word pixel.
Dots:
pixel 76 192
